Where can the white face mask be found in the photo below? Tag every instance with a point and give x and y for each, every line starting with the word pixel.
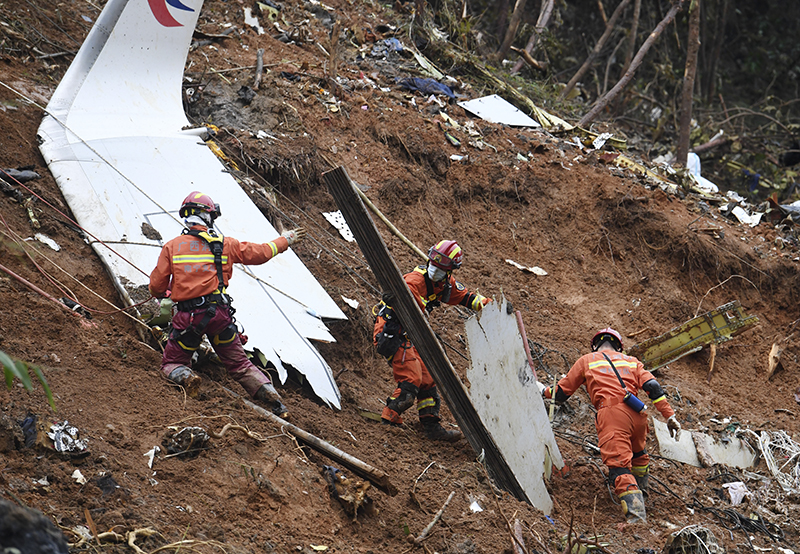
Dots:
pixel 435 273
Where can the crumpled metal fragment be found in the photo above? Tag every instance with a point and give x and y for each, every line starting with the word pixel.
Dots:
pixel 65 437
pixel 186 440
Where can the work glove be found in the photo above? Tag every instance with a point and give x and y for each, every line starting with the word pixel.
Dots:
pixel 674 428
pixel 479 302
pixel 547 393
pixel 294 235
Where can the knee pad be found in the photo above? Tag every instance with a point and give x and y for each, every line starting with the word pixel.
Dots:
pixel 226 336
pixel 408 392
pixel 614 472
pixel 188 339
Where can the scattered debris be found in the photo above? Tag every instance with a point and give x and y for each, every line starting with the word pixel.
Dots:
pixel 151 454
pixel 427 86
pixel 694 539
pixel 351 493
pixel 65 438
pixel 535 269
pixel 737 490
pixel 252 21
pixel 775 446
pixel 78 476
pixel 775 355
pixel 496 110
pixel 716 326
pixel 337 220
pixel 350 302
pixel 44 239
pixel 693 166
pixel 186 441
pixel 702 450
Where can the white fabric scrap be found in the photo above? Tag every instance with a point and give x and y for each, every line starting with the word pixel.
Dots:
pixel 475 507
pixel 44 239
pixel 252 21
pixel 151 454
pixel 535 269
pixel 738 491
pixel 600 141
pixel 337 220
pixel 693 165
pixel 78 476
pixel 745 218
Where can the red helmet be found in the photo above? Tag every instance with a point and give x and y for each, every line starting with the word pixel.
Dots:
pixel 199 202
pixel 610 335
pixel 446 255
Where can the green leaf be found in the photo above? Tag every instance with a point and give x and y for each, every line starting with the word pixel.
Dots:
pixel 45 386
pixel 15 369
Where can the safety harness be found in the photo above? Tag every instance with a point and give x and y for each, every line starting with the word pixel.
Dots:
pixel 216 244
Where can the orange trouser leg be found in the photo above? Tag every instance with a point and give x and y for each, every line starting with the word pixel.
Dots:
pixel 411 376
pixel 621 432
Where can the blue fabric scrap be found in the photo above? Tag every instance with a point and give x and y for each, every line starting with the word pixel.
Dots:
pixel 427 86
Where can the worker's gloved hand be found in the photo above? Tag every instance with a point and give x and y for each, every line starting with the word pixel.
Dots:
pixel 674 428
pixel 547 393
pixel 479 302
pixel 294 235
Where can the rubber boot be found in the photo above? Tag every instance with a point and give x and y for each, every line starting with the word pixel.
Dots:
pixel 186 378
pixel 267 394
pixel 633 506
pixel 434 431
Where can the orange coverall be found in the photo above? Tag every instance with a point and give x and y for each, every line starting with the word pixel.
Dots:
pixel 187 261
pixel 407 367
pixel 621 431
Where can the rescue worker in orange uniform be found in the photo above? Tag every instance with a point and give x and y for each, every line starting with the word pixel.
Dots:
pixel 194 270
pixel 621 421
pixel 431 285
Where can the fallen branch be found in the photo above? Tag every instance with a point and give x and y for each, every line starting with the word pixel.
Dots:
pixel 541 66
pixel 422 536
pixel 414 488
pixel 374 475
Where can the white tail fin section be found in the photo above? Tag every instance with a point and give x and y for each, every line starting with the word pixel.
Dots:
pixel 113 138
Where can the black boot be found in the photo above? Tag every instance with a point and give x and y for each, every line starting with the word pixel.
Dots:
pixel 186 378
pixel 270 396
pixel 434 431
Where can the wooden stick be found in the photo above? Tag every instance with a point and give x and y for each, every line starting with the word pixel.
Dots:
pixel 374 475
pixel 541 66
pixel 422 536
pixel 259 68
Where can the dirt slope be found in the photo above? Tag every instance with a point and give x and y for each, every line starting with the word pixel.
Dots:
pixel 617 253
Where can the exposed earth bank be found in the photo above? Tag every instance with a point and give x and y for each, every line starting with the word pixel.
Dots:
pixel 618 251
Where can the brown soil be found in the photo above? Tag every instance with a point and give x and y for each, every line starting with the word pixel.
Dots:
pixel 618 254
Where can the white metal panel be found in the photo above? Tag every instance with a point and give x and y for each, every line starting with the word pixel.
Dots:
pixel 113 140
pixel 504 393
pixel 494 109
